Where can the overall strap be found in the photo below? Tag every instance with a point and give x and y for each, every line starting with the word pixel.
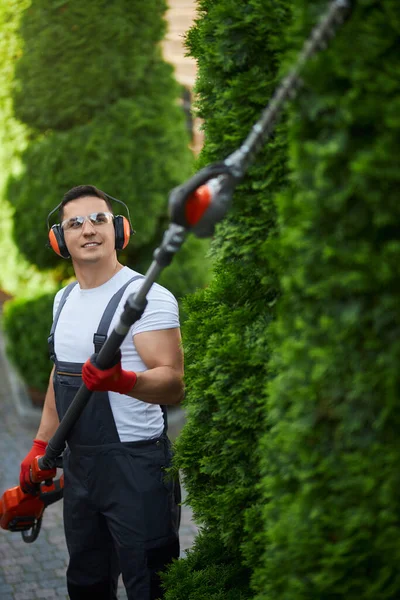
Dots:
pixel 50 339
pixel 101 334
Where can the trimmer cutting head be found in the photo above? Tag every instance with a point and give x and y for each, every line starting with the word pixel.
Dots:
pixel 23 512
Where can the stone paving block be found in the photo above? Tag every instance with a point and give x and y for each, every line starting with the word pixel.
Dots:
pixel 5 588
pixel 50 583
pixel 31 567
pixel 51 593
pixel 24 595
pixel 53 564
pixel 9 553
pixel 27 586
pixel 6 562
pixel 11 567
pixel 30 577
pixel 60 572
pixel 26 560
pixel 12 578
pixel 58 540
pixel 61 593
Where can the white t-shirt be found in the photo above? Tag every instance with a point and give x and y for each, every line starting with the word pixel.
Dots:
pixel 73 340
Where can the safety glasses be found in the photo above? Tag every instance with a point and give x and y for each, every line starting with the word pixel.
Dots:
pixel 96 218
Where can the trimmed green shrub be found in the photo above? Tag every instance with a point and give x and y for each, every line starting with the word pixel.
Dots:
pixel 331 455
pixel 102 108
pixel 209 571
pixel 237 46
pixel 17 275
pixel 77 58
pixel 24 323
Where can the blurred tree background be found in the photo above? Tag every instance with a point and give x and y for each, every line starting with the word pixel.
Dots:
pixel 89 99
pixel 17 274
pixel 290 452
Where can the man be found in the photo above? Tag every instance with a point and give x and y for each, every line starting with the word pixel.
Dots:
pixel 119 507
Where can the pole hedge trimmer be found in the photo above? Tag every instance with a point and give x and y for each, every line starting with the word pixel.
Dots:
pixel 195 207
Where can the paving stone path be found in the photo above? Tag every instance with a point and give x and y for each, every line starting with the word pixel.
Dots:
pixel 37 571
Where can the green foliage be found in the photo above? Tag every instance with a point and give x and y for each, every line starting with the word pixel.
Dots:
pixel 208 572
pixel 189 270
pixel 99 105
pixel 331 455
pixel 17 276
pixel 237 46
pixel 78 57
pixel 24 322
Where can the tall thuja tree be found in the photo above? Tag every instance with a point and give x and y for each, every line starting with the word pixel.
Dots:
pixel 102 107
pixel 332 454
pixel 237 46
pixel 16 274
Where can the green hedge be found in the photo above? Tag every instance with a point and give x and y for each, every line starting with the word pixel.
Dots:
pixel 209 571
pixel 99 105
pixel 27 325
pixel 76 58
pixel 237 46
pixel 17 275
pixel 331 455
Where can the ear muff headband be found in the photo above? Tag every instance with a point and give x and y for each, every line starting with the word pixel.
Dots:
pixel 122 226
pixel 129 222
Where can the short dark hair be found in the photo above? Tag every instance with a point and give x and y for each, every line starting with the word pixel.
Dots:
pixel 80 191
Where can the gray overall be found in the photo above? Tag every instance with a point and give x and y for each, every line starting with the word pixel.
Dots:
pixel 120 509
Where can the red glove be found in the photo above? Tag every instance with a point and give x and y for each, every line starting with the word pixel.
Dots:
pixel 114 379
pixel 38 449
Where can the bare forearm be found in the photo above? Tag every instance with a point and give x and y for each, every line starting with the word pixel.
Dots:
pixel 161 385
pixel 49 421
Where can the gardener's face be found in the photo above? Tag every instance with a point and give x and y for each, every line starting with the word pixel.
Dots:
pixel 88 229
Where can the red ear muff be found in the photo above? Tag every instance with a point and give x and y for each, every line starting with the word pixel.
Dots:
pixel 123 232
pixel 57 242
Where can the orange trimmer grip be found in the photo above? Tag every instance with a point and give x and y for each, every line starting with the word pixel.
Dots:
pixel 37 475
